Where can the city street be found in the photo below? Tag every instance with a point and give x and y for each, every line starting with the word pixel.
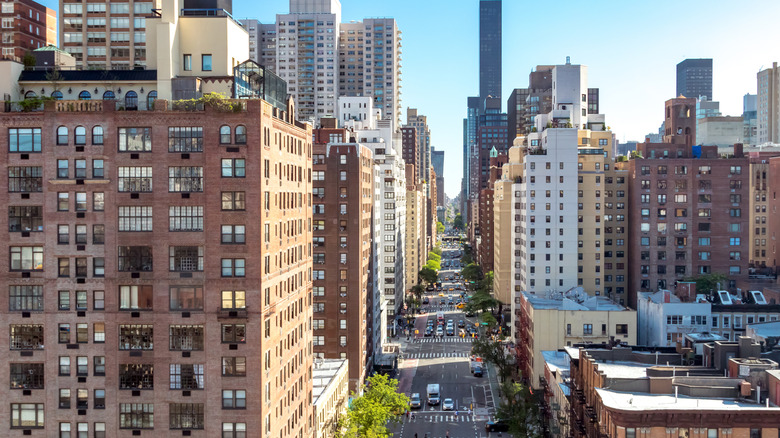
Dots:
pixel 445 361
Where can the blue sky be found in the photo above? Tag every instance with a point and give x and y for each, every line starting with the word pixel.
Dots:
pixel 630 47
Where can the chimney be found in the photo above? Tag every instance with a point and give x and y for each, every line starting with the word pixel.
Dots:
pixel 667 296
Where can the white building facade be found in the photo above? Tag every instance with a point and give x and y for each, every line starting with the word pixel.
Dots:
pixel 664 319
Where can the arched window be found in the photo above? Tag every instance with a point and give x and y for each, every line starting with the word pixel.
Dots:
pixel 150 98
pixel 62 135
pixel 97 135
pixel 224 134
pixel 131 100
pixel 84 95
pixel 30 95
pixel 109 95
pixel 81 135
pixel 240 134
pixel 56 95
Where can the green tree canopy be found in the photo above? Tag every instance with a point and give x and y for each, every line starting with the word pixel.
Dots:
pixel 433 256
pixel 709 282
pixel 370 413
pixel 417 291
pixel 471 272
pixel 457 223
pixel 481 301
pixel 428 275
pixel 520 409
pixel 439 227
pixel 436 250
pixel 493 352
pixel 433 264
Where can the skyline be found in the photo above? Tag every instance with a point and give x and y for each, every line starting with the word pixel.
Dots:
pixel 631 112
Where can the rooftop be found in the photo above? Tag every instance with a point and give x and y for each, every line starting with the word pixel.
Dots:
pixel 557 360
pixel 43 75
pixel 627 401
pixel 573 299
pixel 766 329
pixel 325 370
pixel 704 337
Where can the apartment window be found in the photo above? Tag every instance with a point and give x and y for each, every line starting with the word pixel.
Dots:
pixel 185 337
pixel 99 365
pixel 185 139
pixel 136 337
pixel 24 140
pixel 136 416
pixel 63 171
pixel 234 234
pixel 64 366
pixel 25 179
pixel 185 179
pixel 234 333
pixel 233 168
pixel 135 218
pixel 236 430
pixel 98 234
pixel 233 399
pixel 135 139
pixel 81 201
pixel 587 329
pixel 99 332
pixel 185 218
pixel 135 297
pixel 233 267
pixel 185 258
pixel 240 134
pixel 26 415
pixel 186 376
pixel 134 179
pixel 25 218
pixel 97 135
pixel 26 258
pixel 82 333
pixel 206 62
pixel 27 376
pixel 187 62
pixel 186 415
pixel 25 298
pixel 63 201
pixel 134 258
pixel 233 299
pixel 136 376
pixel 233 200
pixel 233 366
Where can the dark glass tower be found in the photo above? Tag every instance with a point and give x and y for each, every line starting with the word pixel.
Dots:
pixel 694 78
pixel 489 49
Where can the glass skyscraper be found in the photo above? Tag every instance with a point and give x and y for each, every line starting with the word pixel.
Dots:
pixel 489 49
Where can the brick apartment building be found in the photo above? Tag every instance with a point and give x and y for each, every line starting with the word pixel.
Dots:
pixel 411 153
pixel 343 207
pixel 486 248
pixel 689 215
pixel 158 270
pixel 25 25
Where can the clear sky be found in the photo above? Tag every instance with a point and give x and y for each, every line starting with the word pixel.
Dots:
pixel 631 49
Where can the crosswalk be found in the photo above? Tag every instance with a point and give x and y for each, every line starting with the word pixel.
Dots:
pixel 445 339
pixel 423 417
pixel 433 355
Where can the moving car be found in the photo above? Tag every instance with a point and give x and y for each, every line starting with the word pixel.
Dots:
pixel 497 426
pixel 450 331
pixel 461 324
pixel 448 404
pixel 477 371
pixel 414 401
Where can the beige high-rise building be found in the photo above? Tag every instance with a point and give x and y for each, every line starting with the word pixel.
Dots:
pixel 503 197
pixel 760 233
pixel 416 254
pixel 769 105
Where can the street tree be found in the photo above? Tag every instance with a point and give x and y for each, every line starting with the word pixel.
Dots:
pixel 439 228
pixel 369 414
pixel 481 301
pixel 471 272
pixel 433 264
pixel 428 275
pixel 705 284
pixel 433 256
pixel 457 223
pixel 520 409
pixel 417 291
pixel 436 250
pixel 493 351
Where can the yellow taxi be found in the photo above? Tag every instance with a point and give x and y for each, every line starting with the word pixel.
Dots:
pixel 460 306
pixel 441 294
pixel 451 289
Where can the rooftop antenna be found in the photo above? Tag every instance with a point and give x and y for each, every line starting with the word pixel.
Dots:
pixel 568 60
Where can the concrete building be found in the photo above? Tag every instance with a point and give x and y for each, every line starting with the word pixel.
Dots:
pixel 686 209
pixel 131 263
pixel 486 239
pixel 25 25
pixel 262 42
pixel 416 235
pixel 420 123
pixel 411 153
pixel 720 131
pixel 664 319
pixel 437 161
pixel 343 207
pixel 504 192
pixel 694 78
pixel 556 320
pixel 330 390
pixel 627 393
pixel 469 140
pixel 112 35
pixel 768 105
pixel 731 314
pixel 525 103
pixel 750 118
pixel 760 197
pixel 310 71
pixel 370 64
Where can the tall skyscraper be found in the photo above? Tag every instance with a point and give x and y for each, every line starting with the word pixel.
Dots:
pixel 420 122
pixel 489 49
pixel 768 105
pixel 26 26
pixel 437 160
pixel 694 78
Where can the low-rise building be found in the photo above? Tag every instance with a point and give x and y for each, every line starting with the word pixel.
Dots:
pixel 664 318
pixel 555 320
pixel 330 391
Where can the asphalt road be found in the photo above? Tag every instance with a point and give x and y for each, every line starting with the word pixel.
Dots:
pixel 444 361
